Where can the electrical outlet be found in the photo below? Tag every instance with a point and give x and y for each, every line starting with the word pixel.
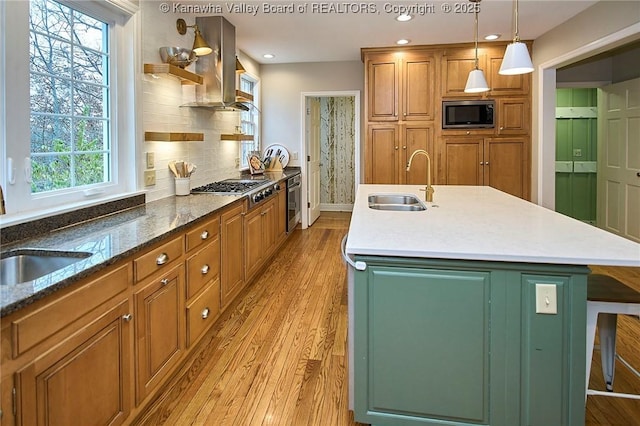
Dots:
pixel 577 152
pixel 295 155
pixel 151 160
pixel 237 162
pixel 546 299
pixel 149 177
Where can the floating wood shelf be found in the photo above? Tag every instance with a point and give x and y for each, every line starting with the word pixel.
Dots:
pixel 236 137
pixel 173 137
pixel 187 77
pixel 243 96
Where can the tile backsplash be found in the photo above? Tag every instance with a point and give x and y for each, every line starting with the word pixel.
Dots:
pixel 162 96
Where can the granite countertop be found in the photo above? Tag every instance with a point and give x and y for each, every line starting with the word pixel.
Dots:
pixel 112 238
pixel 481 223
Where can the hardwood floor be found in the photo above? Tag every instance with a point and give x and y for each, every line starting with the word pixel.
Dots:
pixel 278 355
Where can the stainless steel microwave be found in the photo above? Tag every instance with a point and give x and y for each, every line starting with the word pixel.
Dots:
pixel 470 114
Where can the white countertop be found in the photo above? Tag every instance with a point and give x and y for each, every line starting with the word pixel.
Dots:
pixel 481 223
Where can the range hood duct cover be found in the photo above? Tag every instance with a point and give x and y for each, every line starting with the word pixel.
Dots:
pixel 218 69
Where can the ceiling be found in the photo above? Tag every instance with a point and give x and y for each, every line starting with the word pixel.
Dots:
pixel 338 32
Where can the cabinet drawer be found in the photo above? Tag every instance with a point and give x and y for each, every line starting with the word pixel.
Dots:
pixel 156 259
pixel 35 327
pixel 202 267
pixel 203 311
pixel 203 234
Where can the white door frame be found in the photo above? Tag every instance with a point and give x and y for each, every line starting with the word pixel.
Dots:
pixel 303 146
pixel 546 127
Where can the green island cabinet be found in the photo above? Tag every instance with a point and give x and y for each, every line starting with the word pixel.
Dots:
pixel 459 342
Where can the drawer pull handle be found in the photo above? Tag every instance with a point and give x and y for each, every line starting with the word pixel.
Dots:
pixel 164 281
pixel 204 235
pixel 162 259
pixel 205 313
pixel 127 317
pixel 205 269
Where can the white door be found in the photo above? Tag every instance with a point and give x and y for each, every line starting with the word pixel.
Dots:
pixel 619 159
pixel 313 158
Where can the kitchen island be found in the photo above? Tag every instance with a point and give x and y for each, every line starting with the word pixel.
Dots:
pixel 444 324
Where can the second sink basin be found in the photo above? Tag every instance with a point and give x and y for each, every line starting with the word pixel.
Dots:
pixel 396 202
pixel 27 265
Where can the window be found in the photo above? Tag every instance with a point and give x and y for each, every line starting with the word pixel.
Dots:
pixel 249 120
pixel 69 93
pixel 66 143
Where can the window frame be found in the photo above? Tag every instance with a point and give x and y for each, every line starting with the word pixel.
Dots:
pixel 15 111
pixel 255 112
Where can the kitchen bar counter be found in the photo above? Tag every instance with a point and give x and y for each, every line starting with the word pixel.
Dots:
pixel 472 311
pixel 481 223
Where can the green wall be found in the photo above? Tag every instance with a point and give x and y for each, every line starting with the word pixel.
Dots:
pixel 576 141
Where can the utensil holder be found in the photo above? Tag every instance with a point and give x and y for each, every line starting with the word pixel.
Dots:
pixel 183 186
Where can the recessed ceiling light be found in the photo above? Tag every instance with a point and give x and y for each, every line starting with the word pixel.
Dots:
pixel 268 56
pixel 403 41
pixel 404 17
pixel 492 37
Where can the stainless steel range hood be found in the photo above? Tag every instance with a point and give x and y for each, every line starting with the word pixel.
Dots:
pixel 218 68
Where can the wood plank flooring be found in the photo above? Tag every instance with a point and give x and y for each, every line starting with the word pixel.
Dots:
pixel 278 355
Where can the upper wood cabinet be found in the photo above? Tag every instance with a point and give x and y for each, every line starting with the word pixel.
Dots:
pixel 456 65
pixel 503 84
pixel 400 86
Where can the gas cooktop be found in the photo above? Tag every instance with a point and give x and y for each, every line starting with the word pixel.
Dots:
pixel 257 190
pixel 229 186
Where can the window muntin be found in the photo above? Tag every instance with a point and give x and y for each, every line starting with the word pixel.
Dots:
pixel 69 98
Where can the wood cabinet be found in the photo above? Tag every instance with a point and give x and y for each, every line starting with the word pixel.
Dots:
pixel 400 86
pixel 456 65
pixel 281 214
pixel 389 148
pixel 232 253
pixel 85 379
pixel 260 228
pixel 159 335
pixel 404 113
pixel 514 116
pixel 459 342
pixel 203 278
pixel 498 162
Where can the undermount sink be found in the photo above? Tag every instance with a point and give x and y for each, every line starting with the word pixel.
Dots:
pixel 27 265
pixel 396 202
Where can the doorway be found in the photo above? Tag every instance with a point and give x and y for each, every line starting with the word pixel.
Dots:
pixel 331 144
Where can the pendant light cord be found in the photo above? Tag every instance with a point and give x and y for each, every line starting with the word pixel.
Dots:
pixel 516 36
pixel 476 32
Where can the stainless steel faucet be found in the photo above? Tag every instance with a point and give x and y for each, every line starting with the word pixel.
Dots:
pixel 428 190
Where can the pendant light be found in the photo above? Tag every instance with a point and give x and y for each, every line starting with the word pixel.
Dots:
pixel 476 83
pixel 516 58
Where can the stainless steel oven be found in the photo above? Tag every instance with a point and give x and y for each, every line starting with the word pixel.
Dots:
pixel 293 201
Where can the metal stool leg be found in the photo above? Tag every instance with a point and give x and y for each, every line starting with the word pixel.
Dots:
pixel 607 333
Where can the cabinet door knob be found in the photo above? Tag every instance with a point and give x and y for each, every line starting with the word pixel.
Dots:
pixel 638 174
pixel 204 235
pixel 501 128
pixel 404 147
pixel 468 132
pixel 127 317
pixel 482 163
pixel 205 269
pixel 164 281
pixel 396 147
pixel 162 259
pixel 205 313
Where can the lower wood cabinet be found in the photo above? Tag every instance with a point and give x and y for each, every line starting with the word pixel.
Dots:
pixel 159 334
pixel 389 148
pixel 83 380
pixel 498 162
pixel 232 253
pixel 260 227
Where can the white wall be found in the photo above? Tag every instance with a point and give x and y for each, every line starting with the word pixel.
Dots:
pixel 161 99
pixel 282 86
pixel 605 25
